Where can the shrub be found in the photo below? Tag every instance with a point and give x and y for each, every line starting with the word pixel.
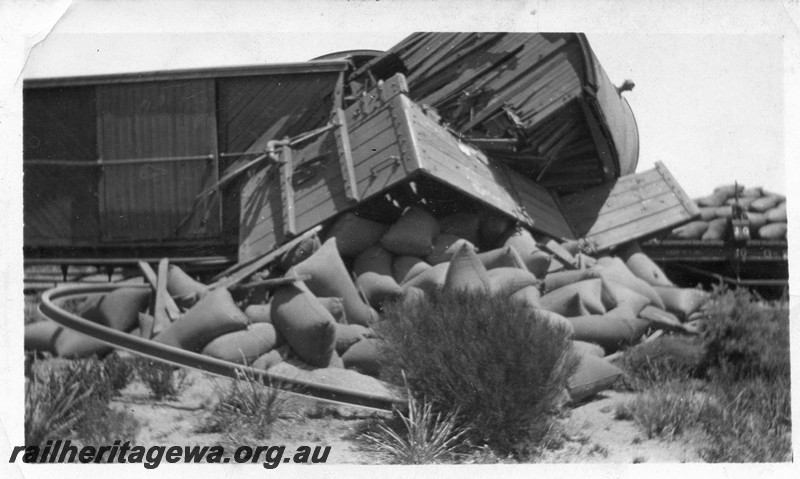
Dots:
pixel 501 366
pixel 745 337
pixel 750 423
pixel 422 437
pixel 70 400
pixel 164 380
pixel 665 411
pixel 247 409
pixel 669 358
pixel 118 371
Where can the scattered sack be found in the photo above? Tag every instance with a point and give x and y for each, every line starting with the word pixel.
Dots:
pixel 576 299
pixel 244 347
pixel 593 375
pixel 755 221
pixel 682 301
pixel 308 327
pixel 364 357
pixel 119 309
pixel 642 266
pixel 429 280
pixel 441 249
pixel 523 242
pixel 510 280
pixel 300 252
pixel 349 334
pixel 613 269
pixel 528 296
pixel 406 267
pixel 501 257
pixel 149 326
pixel 272 358
pixel 70 344
pixel 413 234
pixel 330 278
pixel 214 315
pixel 183 288
pixel 582 347
pixel 615 295
pixel 493 228
pixel 613 330
pixel 660 319
pixel 559 279
pixel 373 270
pixel 708 213
pixel 728 190
pixel 354 234
pixel 715 199
pixel 41 336
pixel 466 272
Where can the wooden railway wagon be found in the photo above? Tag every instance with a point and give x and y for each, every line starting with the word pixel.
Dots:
pixel 199 162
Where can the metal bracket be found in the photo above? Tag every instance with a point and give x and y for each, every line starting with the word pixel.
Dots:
pixel 346 157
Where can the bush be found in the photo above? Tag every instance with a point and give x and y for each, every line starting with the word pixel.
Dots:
pixel 118 371
pixel 247 409
pixel 70 400
pixel 668 358
pixel 665 411
pixel 501 366
pixel 421 437
pixel 745 337
pixel 750 423
pixel 164 380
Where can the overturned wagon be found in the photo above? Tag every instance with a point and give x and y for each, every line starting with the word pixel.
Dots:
pixel 521 132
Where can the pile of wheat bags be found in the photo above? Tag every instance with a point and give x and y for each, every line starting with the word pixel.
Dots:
pixel 766 214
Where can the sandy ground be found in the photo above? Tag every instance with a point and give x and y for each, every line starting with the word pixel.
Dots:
pixel 590 431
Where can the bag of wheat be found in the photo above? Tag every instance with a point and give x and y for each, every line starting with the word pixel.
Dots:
pixel 441 249
pixel 493 229
pixel 615 295
pixel 354 234
pixel 523 242
pixel 559 279
pixel 614 269
pixel 691 230
pixel 765 203
pixel 708 213
pixel 682 301
pixel 214 315
pixel 466 272
pixel 271 358
pixel 119 309
pixel 777 214
pixel 183 288
pixel 406 267
pixel 714 199
pixel 589 293
pixel 528 296
pixel 373 270
pixel 508 281
pixel 349 334
pixel 593 375
pixel 364 357
pixel 41 336
pixel 244 347
pixel 642 266
pixel 308 327
pixel 413 234
pixel 329 278
pixel 716 229
pixel 500 258
pixel 582 347
pixel 755 221
pixel 773 231
pixel 70 344
pixel 299 252
pixel 429 280
pixel 617 328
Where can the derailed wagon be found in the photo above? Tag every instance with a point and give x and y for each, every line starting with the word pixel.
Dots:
pixel 516 129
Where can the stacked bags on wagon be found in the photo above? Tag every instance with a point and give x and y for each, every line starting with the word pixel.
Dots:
pixel 766 214
pixel 325 322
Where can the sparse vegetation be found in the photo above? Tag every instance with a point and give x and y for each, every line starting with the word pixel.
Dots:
pixel 247 409
pixel 419 436
pixel 743 402
pixel 164 380
pixel 70 400
pixel 502 367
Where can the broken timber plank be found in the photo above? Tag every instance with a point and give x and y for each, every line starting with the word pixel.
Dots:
pixel 150 276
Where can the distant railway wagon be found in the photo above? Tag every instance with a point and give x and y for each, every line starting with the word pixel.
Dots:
pixel 229 163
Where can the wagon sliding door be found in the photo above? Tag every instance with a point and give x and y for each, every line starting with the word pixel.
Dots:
pixel 158 150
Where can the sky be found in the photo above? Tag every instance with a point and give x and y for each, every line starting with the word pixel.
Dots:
pixel 708 105
pixel 715 99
